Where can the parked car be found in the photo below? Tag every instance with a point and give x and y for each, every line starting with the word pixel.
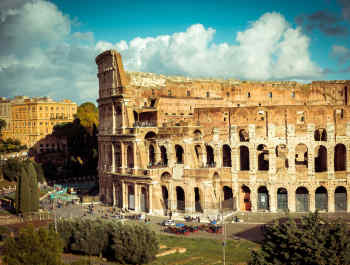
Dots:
pixel 168 222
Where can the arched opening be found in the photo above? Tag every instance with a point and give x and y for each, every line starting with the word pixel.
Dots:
pixel 198 150
pixel 282 199
pixel 321 199
pixel 165 196
pixel 339 157
pixel 263 157
pixel 163 156
pixel 263 198
pixel 340 199
pixel 131 197
pixel 180 198
pixel 346 95
pixel 244 157
pixel 197 200
pixel 302 199
pixel 243 135
pixel 247 204
pixel 226 156
pixel 197 135
pixel 228 198
pixel 150 136
pixel 210 156
pixel 151 156
pixel 136 116
pixel 119 195
pixel 179 154
pixel 321 159
pixel 301 156
pixel 144 200
pixel 130 156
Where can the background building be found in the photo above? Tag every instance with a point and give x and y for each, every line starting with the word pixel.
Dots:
pixel 31 119
pixel 198 145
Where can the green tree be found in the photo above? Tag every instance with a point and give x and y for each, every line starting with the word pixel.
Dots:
pixel 87 113
pixel 313 242
pixel 133 244
pixel 11 169
pixel 40 247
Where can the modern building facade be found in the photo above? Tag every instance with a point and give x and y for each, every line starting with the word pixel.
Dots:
pixel 200 145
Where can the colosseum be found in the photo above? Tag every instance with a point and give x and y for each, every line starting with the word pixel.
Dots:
pixel 187 145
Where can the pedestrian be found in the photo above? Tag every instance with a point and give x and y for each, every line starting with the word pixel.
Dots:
pixel 199 219
pixel 170 215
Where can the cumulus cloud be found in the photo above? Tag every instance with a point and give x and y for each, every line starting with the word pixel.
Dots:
pixel 41 55
pixel 268 49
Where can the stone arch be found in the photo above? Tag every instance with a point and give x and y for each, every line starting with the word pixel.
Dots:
pixel 340 199
pixel 180 198
pixel 302 200
pixel 163 156
pixel 321 159
pixel 151 155
pixel 340 157
pixel 301 155
pixel 130 156
pixel 227 202
pixel 263 157
pixel 282 199
pixel 243 135
pixel 199 154
pixel 144 200
pixel 245 195
pixel 321 199
pixel 179 154
pixel 244 157
pixel 197 134
pixel 226 156
pixel 150 136
pixel 263 198
pixel 165 177
pixel 210 156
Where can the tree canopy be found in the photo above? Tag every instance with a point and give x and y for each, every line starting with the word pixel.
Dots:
pixel 87 113
pixel 41 247
pixel 312 242
pixel 2 125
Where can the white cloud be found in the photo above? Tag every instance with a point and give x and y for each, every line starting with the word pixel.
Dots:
pixel 268 49
pixel 341 53
pixel 40 55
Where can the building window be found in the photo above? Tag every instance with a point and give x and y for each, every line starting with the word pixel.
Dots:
pixel 152 92
pixel 169 93
pixel 188 93
pixel 248 94
pixel 227 94
pixel 293 94
pixel 40 108
pixel 208 94
pixel 270 94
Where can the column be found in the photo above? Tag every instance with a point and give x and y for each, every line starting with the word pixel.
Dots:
pixel 291 200
pixel 218 156
pixel 272 164
pixel 150 198
pixel 123 155
pixel 312 200
pixel 137 189
pixel 124 195
pixel 330 161
pixel 113 191
pixel 157 153
pixel 113 157
pixel 253 161
pixel 254 198
pixel 311 160
pixel 273 199
pixel 113 118
pixel 135 156
pixel 331 200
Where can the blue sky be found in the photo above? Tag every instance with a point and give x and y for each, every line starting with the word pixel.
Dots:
pixel 48 47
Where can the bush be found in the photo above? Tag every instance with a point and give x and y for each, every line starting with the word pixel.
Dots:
pixel 127 244
pixel 134 244
pixel 313 242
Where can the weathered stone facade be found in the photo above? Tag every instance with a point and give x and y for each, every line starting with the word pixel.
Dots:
pixel 200 145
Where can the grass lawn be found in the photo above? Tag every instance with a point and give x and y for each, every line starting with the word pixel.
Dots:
pixel 198 251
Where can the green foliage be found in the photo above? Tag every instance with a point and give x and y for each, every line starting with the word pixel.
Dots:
pixel 134 244
pixel 27 194
pixel 11 169
pixel 40 172
pixel 81 262
pixel 4 232
pixel 313 242
pixel 40 247
pixel 87 113
pixel 11 145
pixel 127 244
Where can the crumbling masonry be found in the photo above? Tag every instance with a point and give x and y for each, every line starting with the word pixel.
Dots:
pixel 200 145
